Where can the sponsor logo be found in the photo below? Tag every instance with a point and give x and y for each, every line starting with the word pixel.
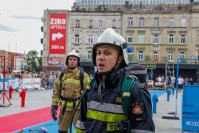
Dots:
pixel 192 123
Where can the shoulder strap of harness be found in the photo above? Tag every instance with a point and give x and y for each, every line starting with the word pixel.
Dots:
pixel 127 86
pixel 81 78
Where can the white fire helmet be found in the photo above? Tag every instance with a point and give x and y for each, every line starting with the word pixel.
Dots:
pixel 110 37
pixel 73 53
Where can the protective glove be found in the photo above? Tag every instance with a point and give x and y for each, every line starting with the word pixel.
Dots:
pixel 54 112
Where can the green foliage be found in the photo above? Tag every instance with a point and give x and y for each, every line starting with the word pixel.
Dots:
pixel 33 61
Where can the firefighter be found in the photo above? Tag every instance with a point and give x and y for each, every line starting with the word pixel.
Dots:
pixel 103 108
pixel 67 91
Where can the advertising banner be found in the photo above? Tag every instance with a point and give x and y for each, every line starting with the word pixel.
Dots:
pixel 54 61
pixel 58 32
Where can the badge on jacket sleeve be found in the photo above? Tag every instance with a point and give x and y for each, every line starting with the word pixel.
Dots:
pixel 138 109
pixel 118 99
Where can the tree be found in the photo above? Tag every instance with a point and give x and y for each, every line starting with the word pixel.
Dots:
pixel 33 61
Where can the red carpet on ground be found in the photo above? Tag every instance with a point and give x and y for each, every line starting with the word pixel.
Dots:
pixel 19 121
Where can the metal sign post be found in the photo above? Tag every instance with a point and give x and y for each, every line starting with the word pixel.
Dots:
pixel 3 93
pixel 179 60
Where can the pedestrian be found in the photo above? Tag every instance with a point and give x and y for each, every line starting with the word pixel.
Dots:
pixel 67 91
pixel 180 83
pixel 106 107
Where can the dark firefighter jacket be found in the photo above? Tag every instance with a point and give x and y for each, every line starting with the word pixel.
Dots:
pixel 102 112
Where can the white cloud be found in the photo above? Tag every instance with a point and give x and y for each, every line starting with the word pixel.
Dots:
pixel 20 22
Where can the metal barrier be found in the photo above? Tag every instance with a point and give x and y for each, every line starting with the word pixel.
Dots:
pixel 28 83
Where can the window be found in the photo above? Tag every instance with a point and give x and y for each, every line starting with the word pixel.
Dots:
pixel 90 25
pixel 183 22
pixel 77 24
pixel 157 22
pixel 197 56
pixel 114 23
pixel 89 54
pixel 77 38
pixel 140 56
pixel 141 38
pixel 182 39
pixel 155 56
pixel 100 23
pixel 141 22
pixel 182 54
pixel 156 39
pixel 130 38
pixel 171 22
pixel 170 56
pixel 170 39
pixel 130 22
pixel 90 39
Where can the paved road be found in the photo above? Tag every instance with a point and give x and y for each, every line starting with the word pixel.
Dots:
pixel 34 100
pixel 163 108
pixel 42 98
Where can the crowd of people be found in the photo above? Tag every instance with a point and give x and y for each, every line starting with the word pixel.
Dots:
pixel 47 78
pixel 160 82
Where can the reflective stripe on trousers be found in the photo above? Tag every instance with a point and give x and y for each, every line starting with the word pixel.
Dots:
pixel 80 125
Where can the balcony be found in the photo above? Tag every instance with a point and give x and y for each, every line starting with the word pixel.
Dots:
pixel 156 30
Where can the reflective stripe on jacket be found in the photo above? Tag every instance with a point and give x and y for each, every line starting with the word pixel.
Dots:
pixel 105 112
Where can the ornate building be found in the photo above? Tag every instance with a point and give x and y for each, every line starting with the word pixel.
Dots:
pixel 157 32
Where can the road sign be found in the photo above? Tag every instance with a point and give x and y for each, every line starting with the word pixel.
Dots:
pixel 151 66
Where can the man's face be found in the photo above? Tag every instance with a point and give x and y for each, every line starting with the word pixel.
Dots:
pixel 72 62
pixel 106 57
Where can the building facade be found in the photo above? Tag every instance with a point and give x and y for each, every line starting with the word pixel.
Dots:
pixel 157 33
pixel 53 57
pixel 13 61
pixel 120 2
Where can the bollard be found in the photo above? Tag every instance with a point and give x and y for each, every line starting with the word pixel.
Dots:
pixel 173 90
pixel 22 94
pixel 154 100
pixel 11 89
pixel 168 94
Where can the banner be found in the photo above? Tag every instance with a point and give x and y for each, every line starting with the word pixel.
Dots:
pixel 55 61
pixel 58 32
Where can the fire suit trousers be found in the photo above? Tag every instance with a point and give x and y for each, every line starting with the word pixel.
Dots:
pixel 64 120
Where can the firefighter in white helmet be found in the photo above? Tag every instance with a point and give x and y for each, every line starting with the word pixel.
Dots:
pixel 67 91
pixel 116 103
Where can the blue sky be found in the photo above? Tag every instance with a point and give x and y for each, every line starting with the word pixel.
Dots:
pixel 20 23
